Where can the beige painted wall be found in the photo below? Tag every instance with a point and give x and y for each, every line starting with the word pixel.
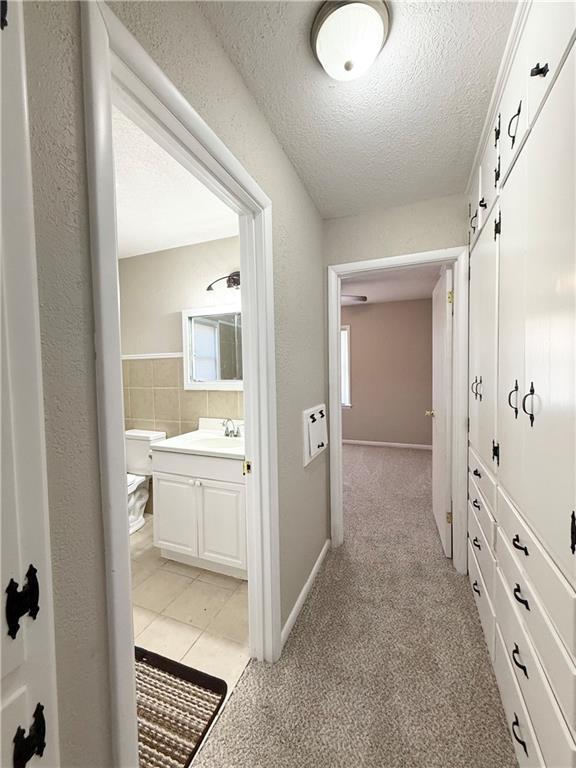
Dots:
pixel 391 372
pixel 156 287
pixel 181 42
pixel 376 234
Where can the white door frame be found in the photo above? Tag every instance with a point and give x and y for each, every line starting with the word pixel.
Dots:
pixel 458 257
pixel 114 62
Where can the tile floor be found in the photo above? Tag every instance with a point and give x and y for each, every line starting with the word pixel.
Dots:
pixel 188 614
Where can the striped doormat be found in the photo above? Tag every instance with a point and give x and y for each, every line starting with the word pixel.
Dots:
pixel 176 706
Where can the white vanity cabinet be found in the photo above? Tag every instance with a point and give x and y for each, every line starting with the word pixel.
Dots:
pixel 200 510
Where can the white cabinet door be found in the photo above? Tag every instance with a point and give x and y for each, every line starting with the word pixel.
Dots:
pixel 549 415
pixel 483 346
pixel 29 696
pixel 513 111
pixel 222 523
pixel 511 330
pixel 489 173
pixel 549 27
pixel 175 513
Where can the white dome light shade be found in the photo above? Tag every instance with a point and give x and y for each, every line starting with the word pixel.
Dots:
pixel 347 37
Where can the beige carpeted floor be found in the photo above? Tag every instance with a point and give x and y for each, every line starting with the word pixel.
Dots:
pixel 387 666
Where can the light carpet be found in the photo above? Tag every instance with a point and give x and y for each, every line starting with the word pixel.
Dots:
pixel 387 665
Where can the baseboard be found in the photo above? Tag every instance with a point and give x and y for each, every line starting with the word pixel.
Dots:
pixel 417 446
pixel 295 612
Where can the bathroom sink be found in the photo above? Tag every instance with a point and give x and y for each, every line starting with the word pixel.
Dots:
pixel 203 442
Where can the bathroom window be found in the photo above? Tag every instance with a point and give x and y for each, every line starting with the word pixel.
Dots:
pixel 345 365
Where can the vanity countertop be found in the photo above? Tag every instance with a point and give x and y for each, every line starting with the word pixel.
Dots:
pixel 203 442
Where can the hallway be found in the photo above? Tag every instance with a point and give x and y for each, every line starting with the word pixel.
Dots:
pixel 387 665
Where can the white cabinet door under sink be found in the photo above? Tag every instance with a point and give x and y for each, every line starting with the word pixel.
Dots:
pixel 175 513
pixel 221 524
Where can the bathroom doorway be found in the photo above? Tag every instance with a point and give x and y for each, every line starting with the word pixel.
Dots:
pixel 181 342
pixel 119 75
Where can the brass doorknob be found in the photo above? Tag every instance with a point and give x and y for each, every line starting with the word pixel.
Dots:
pixel 430 413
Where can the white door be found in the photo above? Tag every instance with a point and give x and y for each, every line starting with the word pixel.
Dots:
pixel 441 407
pixel 175 513
pixel 222 523
pixel 29 713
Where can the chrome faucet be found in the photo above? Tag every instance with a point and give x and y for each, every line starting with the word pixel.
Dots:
pixel 234 432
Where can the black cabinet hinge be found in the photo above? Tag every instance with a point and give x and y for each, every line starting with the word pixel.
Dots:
pixel 498 226
pixel 497 173
pixel 27 746
pixel 496 452
pixel 573 532
pixel 3 14
pixel 497 132
pixel 22 602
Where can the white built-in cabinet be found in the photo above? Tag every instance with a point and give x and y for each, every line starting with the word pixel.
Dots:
pixel 522 429
pixel 200 520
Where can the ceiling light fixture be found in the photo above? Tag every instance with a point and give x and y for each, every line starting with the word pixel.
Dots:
pixel 348 36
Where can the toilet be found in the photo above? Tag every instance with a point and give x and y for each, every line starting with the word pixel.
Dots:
pixel 139 472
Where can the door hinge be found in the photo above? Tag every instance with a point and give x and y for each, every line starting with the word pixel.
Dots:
pixel 449 514
pixel 497 173
pixel 26 747
pixel 497 132
pixel 498 225
pixel 247 467
pixel 450 297
pixel 496 452
pixel 468 424
pixel 3 14
pixel 22 602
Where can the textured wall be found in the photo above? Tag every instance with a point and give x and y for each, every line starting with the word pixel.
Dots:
pixel 156 287
pixel 437 223
pixel 180 40
pixel 58 167
pixel 391 372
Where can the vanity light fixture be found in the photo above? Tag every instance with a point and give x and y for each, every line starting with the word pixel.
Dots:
pixel 232 281
pixel 347 36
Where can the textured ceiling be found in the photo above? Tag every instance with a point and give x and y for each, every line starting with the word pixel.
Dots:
pixel 159 203
pixel 404 284
pixel 406 131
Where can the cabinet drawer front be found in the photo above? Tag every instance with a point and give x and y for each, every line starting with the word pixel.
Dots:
pixel 525 744
pixel 556 593
pixel 482 551
pixel 193 465
pixel 483 513
pixel 483 479
pixel 549 28
pixel 483 603
pixel 557 663
pixel 556 743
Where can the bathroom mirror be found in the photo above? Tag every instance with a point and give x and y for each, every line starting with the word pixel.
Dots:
pixel 212 344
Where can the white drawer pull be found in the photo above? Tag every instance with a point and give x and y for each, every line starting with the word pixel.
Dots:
pixel 516 724
pixel 519 598
pixel 515 656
